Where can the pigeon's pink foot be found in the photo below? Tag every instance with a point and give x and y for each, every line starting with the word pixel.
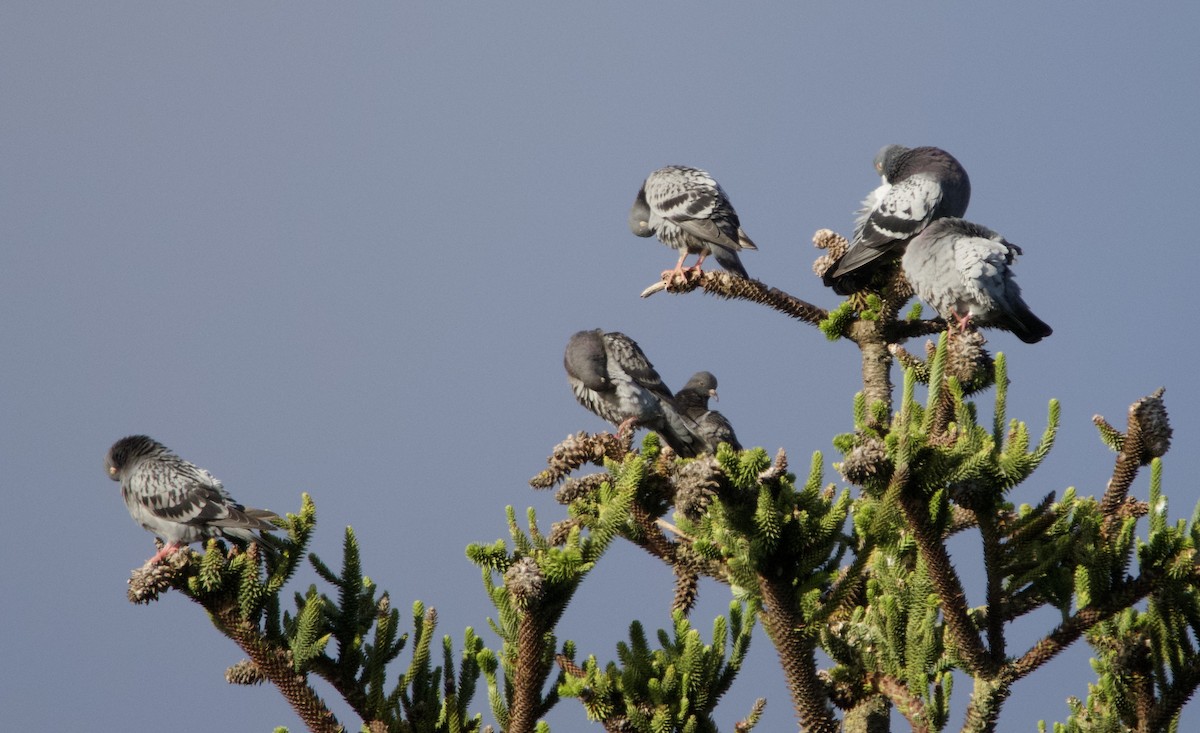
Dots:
pixel 626 426
pixel 670 276
pixel 164 552
pixel 963 322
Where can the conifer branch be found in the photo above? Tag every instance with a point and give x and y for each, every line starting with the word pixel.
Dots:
pixel 275 664
pixel 1184 681
pixel 984 709
pixel 795 649
pixel 992 564
pixel 1147 436
pixel 725 285
pixel 1068 632
pixel 529 675
pixel 876 368
pixel 945 580
pixel 909 705
pixel 649 536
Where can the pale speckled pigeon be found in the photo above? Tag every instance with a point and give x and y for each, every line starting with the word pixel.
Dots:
pixel 711 425
pixel 920 185
pixel 964 271
pixel 177 500
pixel 690 212
pixel 611 376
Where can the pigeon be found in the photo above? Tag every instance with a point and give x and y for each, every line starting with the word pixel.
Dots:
pixel 611 376
pixel 964 271
pixel 178 501
pixel 919 185
pixel 690 212
pixel 712 426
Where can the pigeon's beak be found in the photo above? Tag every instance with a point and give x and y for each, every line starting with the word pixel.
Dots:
pixel 112 471
pixel 713 393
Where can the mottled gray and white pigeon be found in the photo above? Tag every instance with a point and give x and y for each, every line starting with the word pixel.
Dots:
pixel 919 185
pixel 611 376
pixel 711 425
pixel 177 500
pixel 690 212
pixel 964 271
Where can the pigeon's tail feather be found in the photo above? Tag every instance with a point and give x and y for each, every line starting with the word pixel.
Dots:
pixel 1028 327
pixel 856 268
pixel 730 261
pixel 240 518
pixel 680 432
pixel 269 544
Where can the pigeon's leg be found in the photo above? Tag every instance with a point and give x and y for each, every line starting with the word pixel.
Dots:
pixel 671 275
pixel 626 425
pixel 166 550
pixel 962 322
pixel 696 267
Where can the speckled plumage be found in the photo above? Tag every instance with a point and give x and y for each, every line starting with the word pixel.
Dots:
pixel 711 425
pixel 611 376
pixel 690 212
pixel 178 501
pixel 920 185
pixel 964 271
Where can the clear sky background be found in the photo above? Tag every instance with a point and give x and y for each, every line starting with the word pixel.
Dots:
pixel 339 248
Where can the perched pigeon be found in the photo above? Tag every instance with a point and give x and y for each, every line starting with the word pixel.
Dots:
pixel 964 271
pixel 176 500
pixel 611 376
pixel 712 426
pixel 689 212
pixel 920 185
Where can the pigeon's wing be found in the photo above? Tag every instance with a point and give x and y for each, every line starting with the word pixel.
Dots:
pixel 899 212
pixel 903 210
pixel 920 185
pixel 692 200
pixel 713 231
pixel 869 205
pixel 179 492
pixel 626 354
pixel 980 268
pixel 716 429
pixel 678 430
pixel 985 265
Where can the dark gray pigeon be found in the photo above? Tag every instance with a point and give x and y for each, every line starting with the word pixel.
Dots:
pixel 919 185
pixel 176 500
pixel 689 212
pixel 611 376
pixel 964 271
pixel 711 425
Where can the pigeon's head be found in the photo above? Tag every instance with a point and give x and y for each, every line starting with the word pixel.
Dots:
pixel 586 360
pixel 888 159
pixel 639 216
pixel 703 383
pixel 128 451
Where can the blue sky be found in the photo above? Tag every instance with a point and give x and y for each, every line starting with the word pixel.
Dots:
pixel 339 249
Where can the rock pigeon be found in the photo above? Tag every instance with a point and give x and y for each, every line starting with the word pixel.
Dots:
pixel 964 271
pixel 712 426
pixel 920 185
pixel 177 500
pixel 690 212
pixel 611 376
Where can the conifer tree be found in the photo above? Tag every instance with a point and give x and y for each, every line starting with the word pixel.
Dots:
pixel 854 586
